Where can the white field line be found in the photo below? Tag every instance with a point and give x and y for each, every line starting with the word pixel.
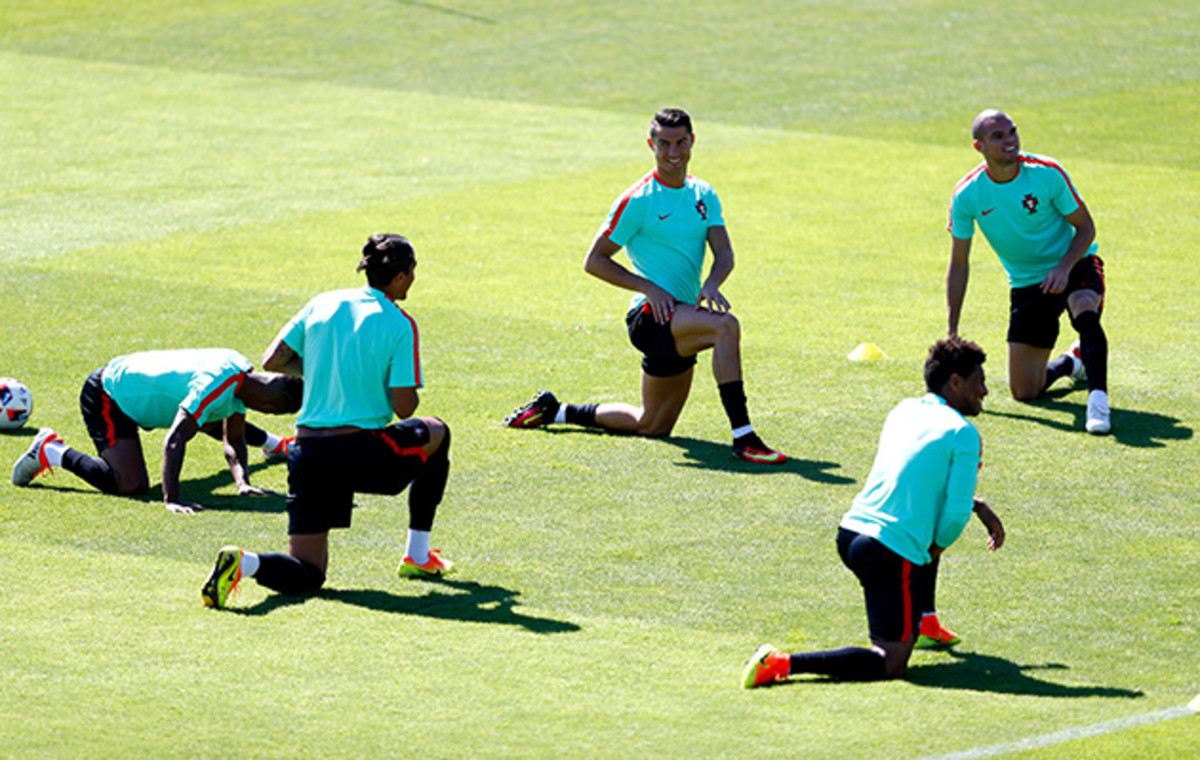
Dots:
pixel 1079 732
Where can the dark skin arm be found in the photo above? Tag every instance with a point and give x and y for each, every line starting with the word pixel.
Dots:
pixel 183 429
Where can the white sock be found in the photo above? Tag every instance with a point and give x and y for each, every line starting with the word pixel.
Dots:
pixel 272 441
pixel 561 415
pixel 53 451
pixel 249 564
pixel 743 430
pixel 418 546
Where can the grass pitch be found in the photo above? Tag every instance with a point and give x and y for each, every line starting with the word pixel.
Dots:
pixel 183 175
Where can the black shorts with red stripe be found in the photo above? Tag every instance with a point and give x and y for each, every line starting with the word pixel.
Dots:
pixel 890 585
pixel 1034 316
pixel 657 344
pixel 325 473
pixel 106 423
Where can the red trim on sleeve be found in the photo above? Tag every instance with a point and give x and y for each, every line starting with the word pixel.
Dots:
pixel 616 217
pixel 417 373
pixel 235 380
pixel 1058 168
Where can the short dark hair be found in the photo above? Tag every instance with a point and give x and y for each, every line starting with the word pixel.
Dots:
pixel 384 256
pixel 952 356
pixel 670 117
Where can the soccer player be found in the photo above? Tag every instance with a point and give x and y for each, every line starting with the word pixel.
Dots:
pixel 916 501
pixel 664 222
pixel 183 391
pixel 359 354
pixel 1039 227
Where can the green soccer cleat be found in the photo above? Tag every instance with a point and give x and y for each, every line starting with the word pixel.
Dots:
pixel 759 456
pixel 933 634
pixel 436 567
pixel 767 666
pixel 222 584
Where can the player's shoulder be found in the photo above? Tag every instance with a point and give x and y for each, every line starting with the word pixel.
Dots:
pixel 971 178
pixel 1043 166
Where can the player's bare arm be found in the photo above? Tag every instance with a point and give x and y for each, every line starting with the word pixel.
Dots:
pixel 280 357
pixel 405 402
pixel 599 263
pixel 183 429
pixel 1085 234
pixel 711 297
pixel 233 439
pixel 957 275
pixel 991 521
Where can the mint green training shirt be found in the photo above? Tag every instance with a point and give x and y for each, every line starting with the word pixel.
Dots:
pixel 152 386
pixel 1024 219
pixel 921 489
pixel 356 345
pixel 664 231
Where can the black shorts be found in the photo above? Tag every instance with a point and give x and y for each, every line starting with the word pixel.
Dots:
pixel 890 585
pixel 1034 315
pixel 325 473
pixel 106 423
pixel 657 344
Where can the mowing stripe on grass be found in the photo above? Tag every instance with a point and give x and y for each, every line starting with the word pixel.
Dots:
pixel 1079 732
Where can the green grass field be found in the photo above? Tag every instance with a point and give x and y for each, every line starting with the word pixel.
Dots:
pixel 182 174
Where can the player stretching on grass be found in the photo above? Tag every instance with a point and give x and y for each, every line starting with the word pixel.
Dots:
pixel 664 222
pixel 359 353
pixel 1044 236
pixel 915 503
pixel 184 392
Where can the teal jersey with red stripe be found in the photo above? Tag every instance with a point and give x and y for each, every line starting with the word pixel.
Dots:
pixel 356 345
pixel 664 231
pixel 1024 219
pixel 152 386
pixel 921 490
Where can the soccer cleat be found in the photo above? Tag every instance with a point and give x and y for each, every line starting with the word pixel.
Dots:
pixel 33 462
pixel 282 449
pixel 536 413
pixel 767 666
pixel 759 455
pixel 934 634
pixel 1099 421
pixel 227 571
pixel 436 567
pixel 1078 373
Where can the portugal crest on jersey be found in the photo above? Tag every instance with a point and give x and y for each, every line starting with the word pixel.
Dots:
pixel 1030 203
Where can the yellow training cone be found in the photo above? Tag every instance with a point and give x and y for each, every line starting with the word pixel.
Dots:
pixel 866 352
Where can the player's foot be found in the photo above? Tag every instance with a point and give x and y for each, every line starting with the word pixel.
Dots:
pixel 437 566
pixel 767 666
pixel 1078 373
pixel 281 450
pixel 752 449
pixel 934 634
pixel 536 413
pixel 227 571
pixel 1099 420
pixel 33 462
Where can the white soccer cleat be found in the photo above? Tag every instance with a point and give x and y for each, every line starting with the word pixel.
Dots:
pixel 1098 414
pixel 33 462
pixel 1078 373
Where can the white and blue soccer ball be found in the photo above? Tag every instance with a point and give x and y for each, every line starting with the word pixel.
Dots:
pixel 16 403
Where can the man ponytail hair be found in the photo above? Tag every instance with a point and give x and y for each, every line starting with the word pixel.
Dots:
pixel 670 117
pixel 952 356
pixel 384 257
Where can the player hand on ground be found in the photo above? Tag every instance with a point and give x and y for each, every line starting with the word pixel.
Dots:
pixel 249 490
pixel 183 508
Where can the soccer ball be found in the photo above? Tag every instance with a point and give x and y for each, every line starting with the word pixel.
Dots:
pixel 16 403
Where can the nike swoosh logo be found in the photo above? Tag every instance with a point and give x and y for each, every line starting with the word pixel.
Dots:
pixel 664 216
pixel 990 210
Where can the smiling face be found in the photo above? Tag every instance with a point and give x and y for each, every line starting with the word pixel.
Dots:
pixel 672 148
pixel 996 138
pixel 966 393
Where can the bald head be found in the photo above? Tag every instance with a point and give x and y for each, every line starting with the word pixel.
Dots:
pixel 980 124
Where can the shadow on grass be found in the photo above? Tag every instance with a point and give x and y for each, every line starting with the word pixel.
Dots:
pixel 981 672
pixel 709 455
pixel 202 492
pixel 718 456
pixel 465 601
pixel 1129 427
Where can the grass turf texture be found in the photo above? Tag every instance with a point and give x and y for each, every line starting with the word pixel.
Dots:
pixel 186 176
